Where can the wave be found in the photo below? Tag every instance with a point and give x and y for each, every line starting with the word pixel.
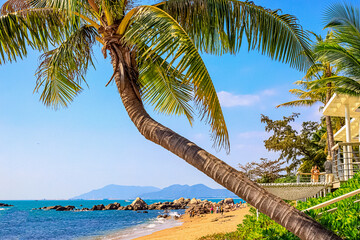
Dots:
pixel 144 229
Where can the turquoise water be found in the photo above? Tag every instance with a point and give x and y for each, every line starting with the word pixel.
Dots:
pixel 21 222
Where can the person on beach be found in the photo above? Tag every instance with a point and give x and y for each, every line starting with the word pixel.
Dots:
pixel 329 177
pixel 217 209
pixel 211 210
pixel 221 210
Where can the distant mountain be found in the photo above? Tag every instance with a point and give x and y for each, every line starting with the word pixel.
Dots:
pixel 172 192
pixel 116 192
pixel 196 191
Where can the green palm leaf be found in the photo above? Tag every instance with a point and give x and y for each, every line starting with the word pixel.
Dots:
pixel 34 28
pixel 165 89
pixel 224 23
pixel 155 33
pixel 62 70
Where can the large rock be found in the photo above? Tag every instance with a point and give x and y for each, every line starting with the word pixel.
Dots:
pixel 66 208
pixel 139 204
pixel 112 206
pixel 52 207
pixel 229 201
pixel 98 207
pixel 5 205
pixel 194 201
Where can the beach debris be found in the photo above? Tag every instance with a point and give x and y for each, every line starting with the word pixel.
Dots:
pixel 5 205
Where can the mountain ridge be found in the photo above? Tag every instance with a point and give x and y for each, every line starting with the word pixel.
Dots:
pixel 175 191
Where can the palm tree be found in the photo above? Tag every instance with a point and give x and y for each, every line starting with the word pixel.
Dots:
pixel 321 80
pixel 154 54
pixel 315 90
pixel 343 49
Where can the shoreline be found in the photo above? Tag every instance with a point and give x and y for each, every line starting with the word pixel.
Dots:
pixel 199 226
pixel 140 230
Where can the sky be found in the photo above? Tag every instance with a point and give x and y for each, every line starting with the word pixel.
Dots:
pixel 47 154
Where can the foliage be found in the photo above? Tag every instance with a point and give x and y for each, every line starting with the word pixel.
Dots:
pixel 165 39
pixel 290 178
pixel 345 221
pixel 265 171
pixel 305 148
pixel 343 49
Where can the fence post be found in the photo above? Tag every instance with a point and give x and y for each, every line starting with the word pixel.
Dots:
pixel 298 177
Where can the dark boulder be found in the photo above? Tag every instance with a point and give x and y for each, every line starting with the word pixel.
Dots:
pixel 98 207
pixel 112 206
pixel 5 205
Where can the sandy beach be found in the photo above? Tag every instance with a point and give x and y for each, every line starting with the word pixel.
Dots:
pixel 196 227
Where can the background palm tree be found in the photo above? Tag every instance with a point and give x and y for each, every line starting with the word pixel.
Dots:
pixel 343 49
pixel 154 53
pixel 321 80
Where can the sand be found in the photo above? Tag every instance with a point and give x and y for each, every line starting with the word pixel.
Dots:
pixel 196 227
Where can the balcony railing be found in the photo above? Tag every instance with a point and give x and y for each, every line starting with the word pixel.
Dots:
pixel 346 160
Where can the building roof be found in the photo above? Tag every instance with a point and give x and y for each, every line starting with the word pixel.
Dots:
pixel 336 106
pixel 341 134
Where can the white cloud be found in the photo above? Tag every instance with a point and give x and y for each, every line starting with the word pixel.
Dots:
pixel 231 100
pixel 269 92
pixel 228 99
pixel 254 135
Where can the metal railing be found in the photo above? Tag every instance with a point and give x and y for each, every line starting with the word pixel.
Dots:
pixel 346 160
pixel 306 177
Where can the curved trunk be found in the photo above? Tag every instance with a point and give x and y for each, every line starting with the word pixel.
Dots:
pixel 289 217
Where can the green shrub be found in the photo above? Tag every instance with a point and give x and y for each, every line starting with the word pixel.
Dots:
pixel 345 221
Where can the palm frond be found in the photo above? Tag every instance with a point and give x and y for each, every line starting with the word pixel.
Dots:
pixel 62 70
pixel 11 6
pixel 156 33
pixel 298 103
pixel 164 88
pixel 34 28
pixel 276 35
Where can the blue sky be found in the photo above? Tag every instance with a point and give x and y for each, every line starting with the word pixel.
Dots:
pixel 59 154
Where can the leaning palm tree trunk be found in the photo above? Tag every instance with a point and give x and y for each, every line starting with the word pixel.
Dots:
pixel 289 217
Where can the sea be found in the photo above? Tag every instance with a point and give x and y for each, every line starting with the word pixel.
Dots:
pixel 23 221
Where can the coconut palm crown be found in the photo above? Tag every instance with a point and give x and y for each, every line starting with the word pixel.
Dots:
pixel 164 39
pixel 155 54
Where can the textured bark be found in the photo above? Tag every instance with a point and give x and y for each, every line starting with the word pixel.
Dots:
pixel 329 128
pixel 289 217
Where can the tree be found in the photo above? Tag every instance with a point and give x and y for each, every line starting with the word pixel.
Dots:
pixel 265 171
pixel 305 148
pixel 313 90
pixel 343 48
pixel 154 54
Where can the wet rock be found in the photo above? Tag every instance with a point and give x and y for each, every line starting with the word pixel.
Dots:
pixel 139 204
pixel 66 208
pixel 98 207
pixel 5 205
pixel 112 206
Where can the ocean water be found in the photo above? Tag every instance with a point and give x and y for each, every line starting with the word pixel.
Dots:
pixel 21 222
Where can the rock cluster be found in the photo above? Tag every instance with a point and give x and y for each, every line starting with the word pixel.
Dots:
pixel 195 205
pixel 5 205
pixel 58 208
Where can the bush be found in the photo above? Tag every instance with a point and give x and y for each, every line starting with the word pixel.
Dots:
pixel 345 221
